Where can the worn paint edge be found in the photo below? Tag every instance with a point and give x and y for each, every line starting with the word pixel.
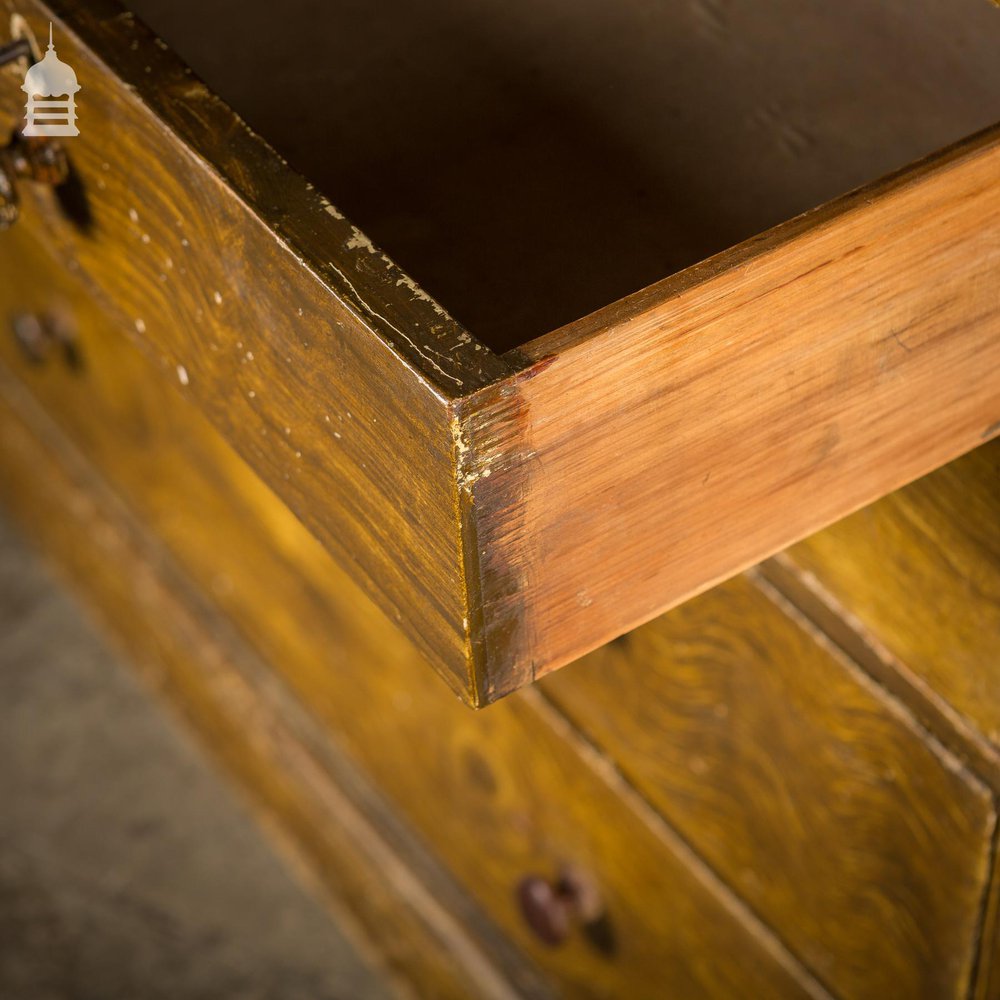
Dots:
pixel 493 463
pixel 464 363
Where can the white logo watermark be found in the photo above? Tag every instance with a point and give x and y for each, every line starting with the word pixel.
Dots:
pixel 51 87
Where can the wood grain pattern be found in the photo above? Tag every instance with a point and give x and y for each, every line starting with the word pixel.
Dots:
pixel 497 795
pixel 920 574
pixel 314 366
pixel 674 438
pixel 864 842
pixel 912 586
pixel 843 628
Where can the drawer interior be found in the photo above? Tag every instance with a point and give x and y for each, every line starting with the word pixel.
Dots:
pixel 529 161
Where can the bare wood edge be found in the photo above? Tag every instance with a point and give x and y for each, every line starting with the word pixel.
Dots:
pixel 333 827
pixel 654 296
pixel 495 425
pixel 490 432
pixel 385 299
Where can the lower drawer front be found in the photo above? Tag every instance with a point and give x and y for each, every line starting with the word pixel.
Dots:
pixel 810 789
pixel 500 795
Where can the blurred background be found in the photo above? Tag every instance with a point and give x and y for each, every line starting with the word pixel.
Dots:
pixel 128 868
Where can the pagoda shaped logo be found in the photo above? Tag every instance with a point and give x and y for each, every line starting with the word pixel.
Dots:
pixel 51 88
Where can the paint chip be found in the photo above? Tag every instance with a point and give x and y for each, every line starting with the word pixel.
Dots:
pixel 182 375
pixel 359 241
pixel 218 298
pixel 140 326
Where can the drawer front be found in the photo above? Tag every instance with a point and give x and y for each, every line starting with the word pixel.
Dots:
pixel 920 572
pixel 849 828
pixel 180 221
pixel 501 795
pixel 912 584
pixel 854 833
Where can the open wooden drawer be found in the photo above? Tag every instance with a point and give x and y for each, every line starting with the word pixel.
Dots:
pixel 647 370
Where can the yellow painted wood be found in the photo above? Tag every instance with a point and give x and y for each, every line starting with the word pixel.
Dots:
pixel 498 795
pixel 920 573
pixel 863 841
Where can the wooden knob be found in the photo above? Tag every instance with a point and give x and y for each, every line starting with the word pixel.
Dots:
pixel 553 907
pixel 39 336
pixel 545 908
pixel 39 159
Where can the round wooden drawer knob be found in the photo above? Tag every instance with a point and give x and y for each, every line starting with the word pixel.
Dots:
pixel 545 908
pixel 39 336
pixel 553 907
pixel 40 160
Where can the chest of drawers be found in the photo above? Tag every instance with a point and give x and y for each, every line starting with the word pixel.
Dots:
pixel 289 480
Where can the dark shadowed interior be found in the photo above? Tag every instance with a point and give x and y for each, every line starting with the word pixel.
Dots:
pixel 529 161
